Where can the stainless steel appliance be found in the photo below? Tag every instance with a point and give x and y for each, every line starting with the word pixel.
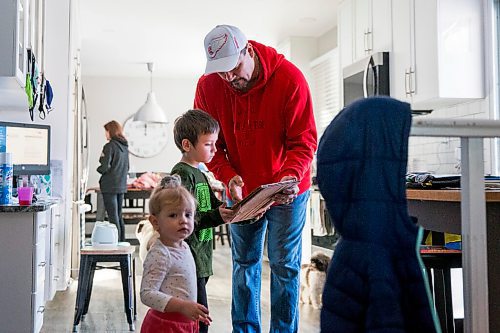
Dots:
pixel 367 77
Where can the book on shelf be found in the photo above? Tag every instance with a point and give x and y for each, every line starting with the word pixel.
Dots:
pixel 428 249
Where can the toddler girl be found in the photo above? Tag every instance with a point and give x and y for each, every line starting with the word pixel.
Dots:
pixel 168 284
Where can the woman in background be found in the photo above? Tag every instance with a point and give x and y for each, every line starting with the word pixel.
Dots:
pixel 114 169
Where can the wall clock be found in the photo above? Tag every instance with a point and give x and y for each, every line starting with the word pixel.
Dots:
pixel 145 139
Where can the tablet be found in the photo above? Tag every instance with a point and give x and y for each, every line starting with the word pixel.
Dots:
pixel 259 198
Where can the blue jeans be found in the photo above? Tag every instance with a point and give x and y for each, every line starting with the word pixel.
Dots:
pixel 113 203
pixel 284 224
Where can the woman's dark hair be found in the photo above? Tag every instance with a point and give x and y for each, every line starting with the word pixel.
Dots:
pixel 115 130
pixel 191 125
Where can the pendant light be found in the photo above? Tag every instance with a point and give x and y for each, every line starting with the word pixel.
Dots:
pixel 151 112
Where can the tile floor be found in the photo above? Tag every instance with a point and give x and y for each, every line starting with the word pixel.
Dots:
pixel 106 312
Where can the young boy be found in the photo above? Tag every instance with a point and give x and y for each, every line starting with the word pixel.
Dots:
pixel 195 134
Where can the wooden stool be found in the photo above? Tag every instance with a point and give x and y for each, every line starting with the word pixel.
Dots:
pixel 89 257
pixel 442 261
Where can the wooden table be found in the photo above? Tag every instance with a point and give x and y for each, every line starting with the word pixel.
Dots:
pixel 440 210
pixel 133 198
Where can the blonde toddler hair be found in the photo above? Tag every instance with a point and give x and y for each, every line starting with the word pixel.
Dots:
pixel 170 192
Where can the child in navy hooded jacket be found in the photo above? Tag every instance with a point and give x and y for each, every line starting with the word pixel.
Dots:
pixel 375 282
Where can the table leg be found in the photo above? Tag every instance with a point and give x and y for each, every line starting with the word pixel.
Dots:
pixel 83 284
pixel 135 294
pixel 126 273
pixel 91 262
pixel 442 292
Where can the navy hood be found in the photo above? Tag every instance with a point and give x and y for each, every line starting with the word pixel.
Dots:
pixel 362 160
pixel 375 282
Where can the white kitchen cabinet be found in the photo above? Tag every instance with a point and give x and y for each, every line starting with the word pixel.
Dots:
pixel 14 39
pixel 36 28
pixel 61 265
pixel 364 28
pixel 54 253
pixel 21 27
pixel 437 57
pixel 345 33
pixel 23 263
pixel 402 49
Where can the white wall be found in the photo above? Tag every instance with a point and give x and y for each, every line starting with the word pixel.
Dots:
pixel 300 51
pixel 328 41
pixel 118 98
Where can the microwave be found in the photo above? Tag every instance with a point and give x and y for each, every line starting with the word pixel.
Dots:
pixel 366 77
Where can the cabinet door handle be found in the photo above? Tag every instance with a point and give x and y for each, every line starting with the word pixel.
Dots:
pixel 41 309
pixel 369 42
pixel 365 40
pixel 407 74
pixel 43 226
pixel 42 264
pixel 412 79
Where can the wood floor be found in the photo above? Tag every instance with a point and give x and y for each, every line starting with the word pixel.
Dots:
pixel 106 310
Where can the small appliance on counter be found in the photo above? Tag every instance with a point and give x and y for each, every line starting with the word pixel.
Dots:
pixel 105 234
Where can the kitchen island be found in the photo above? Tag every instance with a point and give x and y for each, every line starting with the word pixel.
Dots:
pixel 440 210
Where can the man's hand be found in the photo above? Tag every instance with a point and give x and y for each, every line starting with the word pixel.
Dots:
pixel 235 185
pixel 287 196
pixel 227 214
pixel 262 211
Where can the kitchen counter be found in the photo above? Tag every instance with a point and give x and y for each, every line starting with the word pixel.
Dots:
pixel 38 206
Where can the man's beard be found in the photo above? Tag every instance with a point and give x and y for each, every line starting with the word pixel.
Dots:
pixel 240 84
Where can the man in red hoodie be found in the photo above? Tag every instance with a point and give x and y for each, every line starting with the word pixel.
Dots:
pixel 268 134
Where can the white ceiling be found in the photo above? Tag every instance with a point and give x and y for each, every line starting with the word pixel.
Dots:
pixel 120 36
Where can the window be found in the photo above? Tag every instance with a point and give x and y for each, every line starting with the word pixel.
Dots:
pixel 325 89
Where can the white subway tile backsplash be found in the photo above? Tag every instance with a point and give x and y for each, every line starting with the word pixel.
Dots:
pixel 439 155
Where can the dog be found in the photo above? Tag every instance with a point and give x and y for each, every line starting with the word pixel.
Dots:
pixel 312 279
pixel 146 235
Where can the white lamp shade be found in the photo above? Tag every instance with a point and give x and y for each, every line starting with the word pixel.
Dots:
pixel 151 112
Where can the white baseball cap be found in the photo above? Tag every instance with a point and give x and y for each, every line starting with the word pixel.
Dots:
pixel 223 46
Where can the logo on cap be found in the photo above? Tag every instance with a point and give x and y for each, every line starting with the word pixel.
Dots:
pixel 216 45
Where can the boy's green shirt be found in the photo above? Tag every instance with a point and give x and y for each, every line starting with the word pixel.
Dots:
pixel 207 216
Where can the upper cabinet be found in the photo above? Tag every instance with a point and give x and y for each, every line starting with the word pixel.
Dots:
pixel 345 36
pixel 364 28
pixel 14 39
pixel 21 29
pixel 437 57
